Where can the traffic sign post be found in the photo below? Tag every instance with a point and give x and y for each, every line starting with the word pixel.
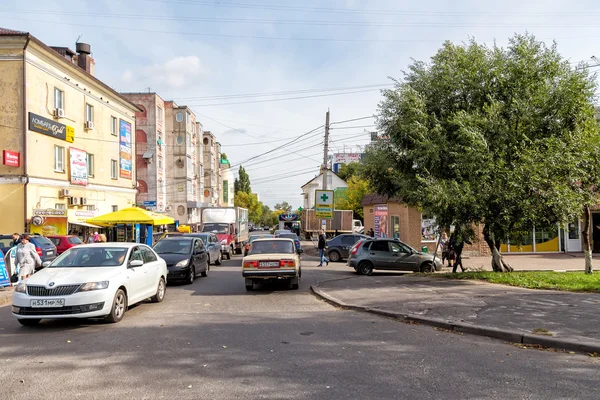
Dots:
pixel 324 204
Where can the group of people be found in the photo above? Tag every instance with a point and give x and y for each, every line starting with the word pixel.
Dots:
pixel 97 238
pixel 452 250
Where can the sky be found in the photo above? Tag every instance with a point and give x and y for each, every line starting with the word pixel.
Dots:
pixel 261 73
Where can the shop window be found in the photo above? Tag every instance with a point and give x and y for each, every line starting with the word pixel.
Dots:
pixel 574 230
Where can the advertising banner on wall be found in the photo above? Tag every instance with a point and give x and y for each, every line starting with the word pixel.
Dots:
pixel 78 168
pixel 346 158
pixel 125 149
pixel 381 221
pixel 428 228
pixel 49 222
pixel 46 126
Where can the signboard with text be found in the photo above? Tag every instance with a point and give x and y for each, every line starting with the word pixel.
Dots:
pixel 324 204
pixel 125 149
pixel 11 158
pixel 46 126
pixel 78 168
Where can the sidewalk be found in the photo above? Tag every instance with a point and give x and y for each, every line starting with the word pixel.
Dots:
pixel 555 319
pixel 6 295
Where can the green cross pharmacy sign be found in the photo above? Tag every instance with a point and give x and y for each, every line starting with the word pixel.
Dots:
pixel 324 204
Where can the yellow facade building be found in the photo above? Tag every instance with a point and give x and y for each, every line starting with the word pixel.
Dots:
pixel 66 139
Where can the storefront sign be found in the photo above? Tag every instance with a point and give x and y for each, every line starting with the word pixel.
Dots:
pixel 324 204
pixel 70 134
pixel 81 215
pixel 11 158
pixel 46 126
pixel 49 222
pixel 125 149
pixel 381 223
pixel 78 166
pixel 49 212
pixel 4 275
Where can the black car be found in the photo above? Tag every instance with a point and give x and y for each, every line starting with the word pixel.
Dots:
pixel 44 247
pixel 339 247
pixel 186 257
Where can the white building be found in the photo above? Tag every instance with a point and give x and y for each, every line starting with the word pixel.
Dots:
pixel 309 188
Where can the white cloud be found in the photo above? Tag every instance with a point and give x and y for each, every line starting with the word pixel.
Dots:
pixel 174 73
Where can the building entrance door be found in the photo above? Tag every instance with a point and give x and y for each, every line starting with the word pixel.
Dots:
pixel 573 236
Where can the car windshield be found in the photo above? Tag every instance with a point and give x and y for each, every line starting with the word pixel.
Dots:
pixel 288 236
pixel 215 228
pixel 253 238
pixel 90 257
pixel 204 238
pixel 271 247
pixel 173 246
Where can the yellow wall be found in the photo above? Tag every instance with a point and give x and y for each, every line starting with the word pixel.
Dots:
pixel 11 106
pixel 12 216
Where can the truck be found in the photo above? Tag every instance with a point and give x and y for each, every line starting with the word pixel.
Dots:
pixel 230 224
pixel 342 222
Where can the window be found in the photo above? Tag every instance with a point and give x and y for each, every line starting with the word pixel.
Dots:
pixel 113 126
pixel 187 117
pixel 90 208
pixel 115 208
pixel 399 248
pixel 160 162
pixel 159 114
pixel 149 255
pixel 198 247
pixel 379 245
pixel 90 165
pixel 348 240
pixel 59 206
pixel 89 113
pixel 136 254
pixel 59 159
pixel 113 169
pixel 59 99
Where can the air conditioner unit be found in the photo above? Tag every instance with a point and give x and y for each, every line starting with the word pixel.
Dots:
pixel 59 113
pixel 73 201
pixel 83 201
pixel 64 193
pixel 89 125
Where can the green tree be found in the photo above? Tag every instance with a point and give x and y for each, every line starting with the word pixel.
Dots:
pixel 347 171
pixel 357 189
pixel 250 202
pixel 283 206
pixel 490 135
pixel 242 183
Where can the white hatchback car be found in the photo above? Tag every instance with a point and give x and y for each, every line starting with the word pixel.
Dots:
pixel 91 281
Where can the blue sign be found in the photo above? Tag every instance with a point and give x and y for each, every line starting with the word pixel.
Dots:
pixel 4 276
pixel 150 203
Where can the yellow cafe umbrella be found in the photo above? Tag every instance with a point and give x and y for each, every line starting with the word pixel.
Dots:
pixel 131 215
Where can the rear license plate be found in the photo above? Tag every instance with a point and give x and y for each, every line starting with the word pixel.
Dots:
pixel 268 264
pixel 50 253
pixel 48 303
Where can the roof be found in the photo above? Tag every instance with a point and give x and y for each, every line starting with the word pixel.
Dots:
pixel 8 32
pixel 371 199
pixel 321 176
pixel 124 245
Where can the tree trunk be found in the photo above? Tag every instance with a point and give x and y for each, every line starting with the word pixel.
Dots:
pixel 585 232
pixel 498 262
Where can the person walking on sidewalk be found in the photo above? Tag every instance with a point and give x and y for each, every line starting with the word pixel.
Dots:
pixel 322 246
pixel 27 258
pixel 457 242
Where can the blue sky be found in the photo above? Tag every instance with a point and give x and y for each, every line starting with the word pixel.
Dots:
pixel 190 50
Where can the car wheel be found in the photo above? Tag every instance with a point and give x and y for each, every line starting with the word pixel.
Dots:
pixel 295 283
pixel 29 322
pixel 219 259
pixel 427 268
pixel 119 307
pixel 365 268
pixel 160 292
pixel 249 285
pixel 192 275
pixel 228 255
pixel 334 256
pixel 208 259
pixel 204 273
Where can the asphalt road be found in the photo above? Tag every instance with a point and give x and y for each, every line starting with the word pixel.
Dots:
pixel 213 340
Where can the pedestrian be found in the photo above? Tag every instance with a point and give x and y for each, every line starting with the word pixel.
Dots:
pixel 27 258
pixel 322 246
pixel 90 238
pixel 16 239
pixel 96 237
pixel 102 237
pixel 458 245
pixel 444 246
pixel 371 232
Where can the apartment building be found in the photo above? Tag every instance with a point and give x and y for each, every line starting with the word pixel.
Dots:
pixel 67 140
pixel 151 150
pixel 212 170
pixel 184 165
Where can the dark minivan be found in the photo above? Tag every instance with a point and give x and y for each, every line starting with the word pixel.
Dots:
pixel 339 247
pixel 186 257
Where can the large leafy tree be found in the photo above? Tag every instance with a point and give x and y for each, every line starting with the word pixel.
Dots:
pixel 490 135
pixel 250 202
pixel 242 183
pixel 357 189
pixel 283 206
pixel 349 170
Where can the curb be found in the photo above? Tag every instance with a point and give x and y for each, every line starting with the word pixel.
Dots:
pixel 460 327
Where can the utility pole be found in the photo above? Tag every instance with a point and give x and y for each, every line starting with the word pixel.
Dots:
pixel 325 151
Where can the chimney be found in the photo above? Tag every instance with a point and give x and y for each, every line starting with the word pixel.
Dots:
pixel 84 60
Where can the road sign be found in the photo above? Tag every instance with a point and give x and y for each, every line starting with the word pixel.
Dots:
pixel 324 204
pixel 150 203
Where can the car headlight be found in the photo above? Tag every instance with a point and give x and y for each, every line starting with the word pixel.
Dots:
pixel 21 288
pixel 86 287
pixel 182 263
pixel 224 242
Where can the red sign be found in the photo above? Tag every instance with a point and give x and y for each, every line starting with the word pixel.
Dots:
pixel 11 158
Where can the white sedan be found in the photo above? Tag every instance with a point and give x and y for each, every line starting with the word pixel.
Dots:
pixel 91 281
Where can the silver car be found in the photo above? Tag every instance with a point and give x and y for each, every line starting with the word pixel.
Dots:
pixel 212 244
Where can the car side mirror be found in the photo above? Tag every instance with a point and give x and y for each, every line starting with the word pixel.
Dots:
pixel 135 263
pixel 45 264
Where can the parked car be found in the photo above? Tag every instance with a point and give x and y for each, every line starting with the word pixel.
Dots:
pixel 44 247
pixel 389 254
pixel 272 259
pixel 90 281
pixel 339 247
pixel 254 237
pixel 289 235
pixel 266 228
pixel 212 244
pixel 64 243
pixel 186 257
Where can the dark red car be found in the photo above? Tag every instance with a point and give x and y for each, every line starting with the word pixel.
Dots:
pixel 64 243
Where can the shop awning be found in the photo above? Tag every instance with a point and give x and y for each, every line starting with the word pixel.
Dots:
pixel 131 215
pixel 85 224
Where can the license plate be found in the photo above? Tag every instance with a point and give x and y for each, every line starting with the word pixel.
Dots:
pixel 50 253
pixel 268 264
pixel 48 303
